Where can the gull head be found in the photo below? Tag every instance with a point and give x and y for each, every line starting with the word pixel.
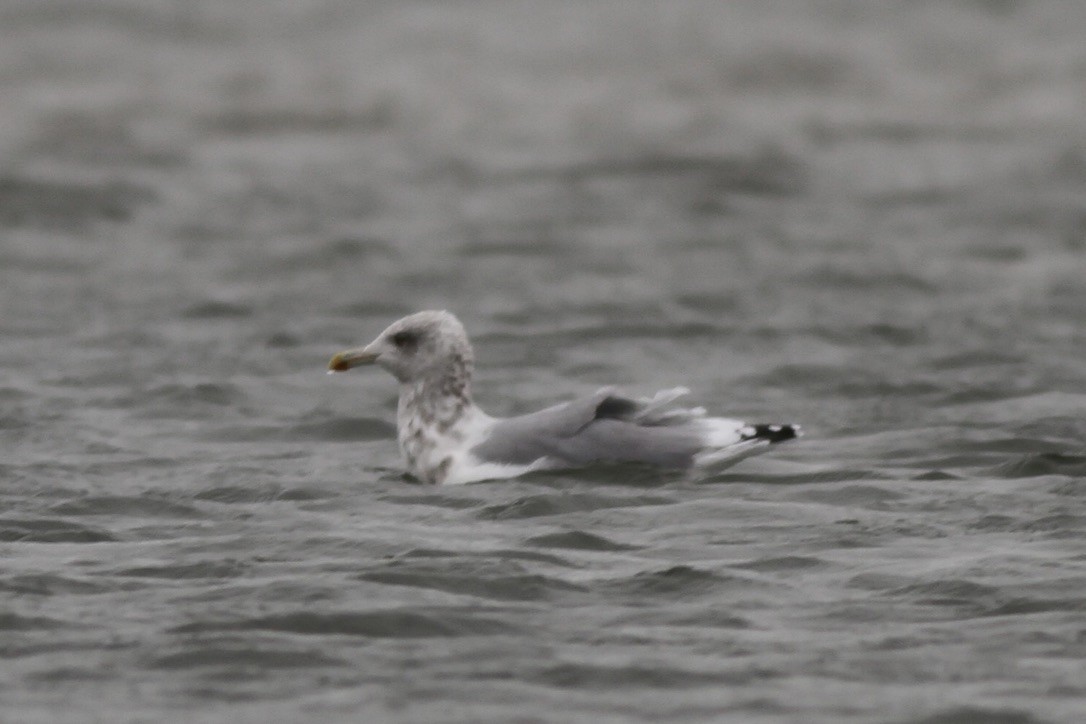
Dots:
pixel 422 346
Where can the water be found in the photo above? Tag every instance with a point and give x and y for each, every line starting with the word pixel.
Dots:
pixel 866 219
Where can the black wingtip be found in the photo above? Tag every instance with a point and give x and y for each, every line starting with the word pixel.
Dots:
pixel 771 433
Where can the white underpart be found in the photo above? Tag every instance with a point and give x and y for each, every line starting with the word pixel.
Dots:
pixel 474 471
pixel 455 445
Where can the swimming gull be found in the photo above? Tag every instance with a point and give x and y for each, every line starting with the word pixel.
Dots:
pixel 446 438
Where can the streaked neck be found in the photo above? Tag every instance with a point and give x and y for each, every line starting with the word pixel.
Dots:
pixel 438 400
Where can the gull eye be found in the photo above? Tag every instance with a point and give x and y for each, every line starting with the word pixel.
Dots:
pixel 405 340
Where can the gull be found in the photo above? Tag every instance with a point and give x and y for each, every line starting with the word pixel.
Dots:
pixel 446 438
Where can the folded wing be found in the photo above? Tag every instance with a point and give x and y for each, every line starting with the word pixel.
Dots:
pixel 610 427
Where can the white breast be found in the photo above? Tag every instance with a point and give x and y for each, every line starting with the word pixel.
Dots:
pixel 440 456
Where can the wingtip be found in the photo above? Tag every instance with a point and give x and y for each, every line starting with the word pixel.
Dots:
pixel 773 433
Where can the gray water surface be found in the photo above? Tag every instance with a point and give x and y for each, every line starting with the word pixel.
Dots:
pixel 865 218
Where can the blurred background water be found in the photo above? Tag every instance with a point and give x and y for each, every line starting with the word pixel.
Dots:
pixel 868 218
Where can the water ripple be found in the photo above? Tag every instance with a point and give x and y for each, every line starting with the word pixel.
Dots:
pixel 398 623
